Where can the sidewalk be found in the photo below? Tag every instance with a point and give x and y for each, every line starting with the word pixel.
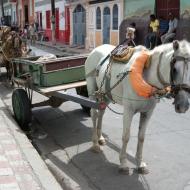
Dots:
pixel 64 48
pixel 21 167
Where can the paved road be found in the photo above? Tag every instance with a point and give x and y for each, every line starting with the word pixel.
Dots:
pixel 67 146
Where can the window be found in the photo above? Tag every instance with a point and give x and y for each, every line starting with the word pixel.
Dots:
pixel 115 17
pixel 48 20
pixel 98 18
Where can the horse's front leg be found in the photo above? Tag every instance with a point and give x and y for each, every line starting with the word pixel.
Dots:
pixel 96 116
pixel 127 119
pixel 97 137
pixel 141 166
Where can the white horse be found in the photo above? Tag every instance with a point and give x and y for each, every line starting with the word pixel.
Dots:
pixel 169 65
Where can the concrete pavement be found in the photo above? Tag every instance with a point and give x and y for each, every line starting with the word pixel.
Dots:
pixel 21 167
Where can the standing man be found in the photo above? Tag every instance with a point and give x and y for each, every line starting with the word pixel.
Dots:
pixel 32 34
pixel 171 33
pixel 153 27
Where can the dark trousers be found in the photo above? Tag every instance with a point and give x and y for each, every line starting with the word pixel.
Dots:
pixel 150 40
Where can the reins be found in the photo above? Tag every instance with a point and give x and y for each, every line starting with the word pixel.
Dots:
pixel 175 88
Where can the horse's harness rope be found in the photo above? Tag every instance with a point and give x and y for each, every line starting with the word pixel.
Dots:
pixel 100 94
pixel 159 74
pixel 176 87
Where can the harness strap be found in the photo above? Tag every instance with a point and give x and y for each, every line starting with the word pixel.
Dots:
pixel 101 63
pixel 160 77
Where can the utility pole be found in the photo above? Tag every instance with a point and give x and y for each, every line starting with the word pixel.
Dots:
pixel 53 21
pixel 2 8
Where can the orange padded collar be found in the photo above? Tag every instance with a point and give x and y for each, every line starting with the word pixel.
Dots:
pixel 140 86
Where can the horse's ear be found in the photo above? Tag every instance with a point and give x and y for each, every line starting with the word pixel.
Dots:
pixel 175 45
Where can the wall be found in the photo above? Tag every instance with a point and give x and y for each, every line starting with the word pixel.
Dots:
pixel 184 24
pixel 137 11
pixel 140 9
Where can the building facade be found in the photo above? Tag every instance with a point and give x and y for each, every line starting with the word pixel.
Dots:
pixel 95 22
pixel 62 19
pixel 25 12
pixel 10 11
pixel 139 12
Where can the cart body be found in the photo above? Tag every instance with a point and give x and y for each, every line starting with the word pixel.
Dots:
pixel 52 72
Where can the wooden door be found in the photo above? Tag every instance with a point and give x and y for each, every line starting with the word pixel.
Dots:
pixel 106 26
pixel 163 7
pixel 79 25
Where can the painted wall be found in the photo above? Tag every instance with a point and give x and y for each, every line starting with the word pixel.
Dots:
pixel 138 8
pixel 185 9
pixel 137 11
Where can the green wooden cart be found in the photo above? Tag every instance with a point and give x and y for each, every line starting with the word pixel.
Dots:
pixel 50 78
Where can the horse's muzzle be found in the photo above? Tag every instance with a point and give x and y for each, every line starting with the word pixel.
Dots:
pixel 181 109
pixel 181 102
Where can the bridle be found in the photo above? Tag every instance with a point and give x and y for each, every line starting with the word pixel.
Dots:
pixel 175 88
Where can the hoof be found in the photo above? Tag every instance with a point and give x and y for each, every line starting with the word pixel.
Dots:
pixel 142 170
pixel 102 142
pixel 124 171
pixel 96 149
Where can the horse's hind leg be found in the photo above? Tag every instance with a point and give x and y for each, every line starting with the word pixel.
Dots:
pixel 101 139
pixel 127 119
pixel 144 118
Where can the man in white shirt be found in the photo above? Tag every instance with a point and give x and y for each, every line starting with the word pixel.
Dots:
pixel 171 33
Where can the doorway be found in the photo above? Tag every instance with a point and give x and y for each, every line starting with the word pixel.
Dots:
pixel 26 14
pixel 79 25
pixel 163 7
pixel 106 26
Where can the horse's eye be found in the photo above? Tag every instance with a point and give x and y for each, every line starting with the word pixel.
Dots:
pixel 174 60
pixel 174 70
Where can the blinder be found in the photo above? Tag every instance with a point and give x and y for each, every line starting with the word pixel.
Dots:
pixel 175 88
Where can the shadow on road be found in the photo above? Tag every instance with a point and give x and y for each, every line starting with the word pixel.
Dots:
pixel 69 131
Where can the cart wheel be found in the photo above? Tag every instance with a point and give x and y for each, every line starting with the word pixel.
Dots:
pixel 21 108
pixel 83 92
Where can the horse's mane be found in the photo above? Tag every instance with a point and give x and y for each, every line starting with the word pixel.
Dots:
pixel 184 48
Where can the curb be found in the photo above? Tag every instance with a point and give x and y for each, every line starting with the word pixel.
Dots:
pixel 63 49
pixel 65 181
pixel 40 169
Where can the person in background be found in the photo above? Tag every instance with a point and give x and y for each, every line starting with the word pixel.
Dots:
pixel 163 28
pixel 171 33
pixel 32 34
pixel 131 34
pixel 150 38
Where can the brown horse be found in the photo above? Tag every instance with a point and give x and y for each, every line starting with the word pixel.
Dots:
pixel 11 48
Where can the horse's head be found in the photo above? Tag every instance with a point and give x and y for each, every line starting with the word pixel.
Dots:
pixel 180 75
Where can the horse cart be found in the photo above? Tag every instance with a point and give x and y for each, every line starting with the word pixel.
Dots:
pixel 51 78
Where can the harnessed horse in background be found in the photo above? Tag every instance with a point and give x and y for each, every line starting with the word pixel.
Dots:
pixel 11 45
pixel 169 65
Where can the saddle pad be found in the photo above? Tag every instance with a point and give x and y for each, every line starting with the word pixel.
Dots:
pixel 123 55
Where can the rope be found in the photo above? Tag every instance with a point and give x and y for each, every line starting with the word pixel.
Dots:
pixel 118 113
